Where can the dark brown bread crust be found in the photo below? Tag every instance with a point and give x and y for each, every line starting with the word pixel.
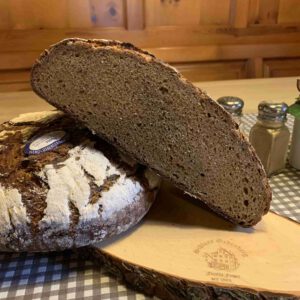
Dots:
pixel 167 287
pixel 19 172
pixel 247 208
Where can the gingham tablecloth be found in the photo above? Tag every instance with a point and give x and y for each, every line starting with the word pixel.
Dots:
pixel 65 276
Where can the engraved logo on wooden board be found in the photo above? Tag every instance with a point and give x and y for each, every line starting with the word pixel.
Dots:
pixel 222 257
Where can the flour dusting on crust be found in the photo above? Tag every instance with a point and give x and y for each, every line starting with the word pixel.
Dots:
pixel 12 211
pixel 68 182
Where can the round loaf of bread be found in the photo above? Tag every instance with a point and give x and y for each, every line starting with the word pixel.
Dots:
pixel 62 187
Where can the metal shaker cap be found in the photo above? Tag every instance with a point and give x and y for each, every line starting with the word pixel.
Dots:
pixel 272 111
pixel 233 105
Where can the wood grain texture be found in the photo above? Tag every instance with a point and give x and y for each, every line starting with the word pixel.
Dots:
pixel 135 14
pixel 165 12
pixel 79 14
pixel 289 12
pixel 30 40
pixel 226 52
pixel 281 67
pixel 268 11
pixel 253 12
pixel 239 11
pixel 15 80
pixel 14 60
pixel 208 71
pixel 5 21
pixel 255 67
pixel 214 12
pixel 14 86
pixel 107 13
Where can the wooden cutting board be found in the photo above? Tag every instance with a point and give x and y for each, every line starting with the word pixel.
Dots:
pixel 182 251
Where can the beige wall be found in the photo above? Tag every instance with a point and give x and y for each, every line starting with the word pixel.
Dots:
pixel 204 39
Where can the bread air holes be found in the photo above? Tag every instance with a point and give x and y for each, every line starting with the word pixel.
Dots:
pixel 180 166
pixel 175 175
pixel 245 190
pixel 163 90
pixel 246 203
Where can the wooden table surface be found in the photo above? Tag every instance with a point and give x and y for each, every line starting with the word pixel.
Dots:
pixel 252 91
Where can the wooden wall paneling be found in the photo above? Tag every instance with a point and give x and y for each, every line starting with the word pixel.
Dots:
pixel 226 52
pixel 14 87
pixel 135 14
pixel 79 14
pixel 4 15
pixel 282 67
pixel 172 12
pixel 255 67
pixel 289 12
pixel 206 39
pixel 50 14
pixel 268 12
pixel 17 60
pixel 21 14
pixel 214 12
pixel 253 14
pixel 239 10
pixel 38 14
pixel 14 80
pixel 213 70
pixel 21 60
pixel 14 76
pixel 37 40
pixel 107 13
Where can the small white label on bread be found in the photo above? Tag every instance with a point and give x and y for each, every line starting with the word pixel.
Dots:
pixel 45 142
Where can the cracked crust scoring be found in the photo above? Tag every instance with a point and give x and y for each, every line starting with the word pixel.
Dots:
pixel 76 194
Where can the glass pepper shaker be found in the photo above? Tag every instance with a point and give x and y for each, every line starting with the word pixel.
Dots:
pixel 234 106
pixel 270 136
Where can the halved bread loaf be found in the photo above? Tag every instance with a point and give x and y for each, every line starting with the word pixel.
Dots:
pixel 146 108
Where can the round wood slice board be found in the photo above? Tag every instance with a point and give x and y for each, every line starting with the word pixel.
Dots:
pixel 182 251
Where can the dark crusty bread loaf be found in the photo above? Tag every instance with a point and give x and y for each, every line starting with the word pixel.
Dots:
pixel 62 187
pixel 147 109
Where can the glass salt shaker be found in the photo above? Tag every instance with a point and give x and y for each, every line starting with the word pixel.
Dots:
pixel 234 106
pixel 270 136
